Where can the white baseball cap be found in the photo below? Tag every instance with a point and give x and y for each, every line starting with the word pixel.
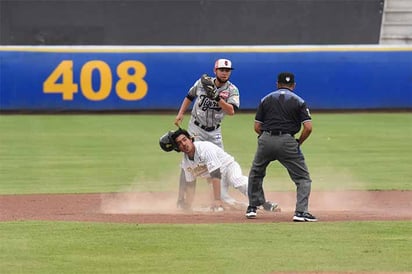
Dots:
pixel 223 63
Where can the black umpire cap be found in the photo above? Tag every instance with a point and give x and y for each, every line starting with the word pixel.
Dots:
pixel 286 78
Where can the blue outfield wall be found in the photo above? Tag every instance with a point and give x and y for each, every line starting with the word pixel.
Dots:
pixel 157 78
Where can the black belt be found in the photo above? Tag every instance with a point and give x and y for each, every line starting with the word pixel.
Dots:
pixel 277 132
pixel 206 128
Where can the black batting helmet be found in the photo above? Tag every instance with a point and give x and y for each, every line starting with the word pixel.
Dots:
pixel 167 141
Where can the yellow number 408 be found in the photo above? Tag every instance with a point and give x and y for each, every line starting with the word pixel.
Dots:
pixel 129 72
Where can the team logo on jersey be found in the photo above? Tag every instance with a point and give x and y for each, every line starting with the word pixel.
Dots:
pixel 206 103
pixel 198 171
pixel 224 94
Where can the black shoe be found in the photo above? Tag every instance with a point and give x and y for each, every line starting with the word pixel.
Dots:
pixel 304 217
pixel 251 212
pixel 270 206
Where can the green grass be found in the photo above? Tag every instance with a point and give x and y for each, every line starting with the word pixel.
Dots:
pixel 82 153
pixel 58 247
pixel 105 153
pixel 358 151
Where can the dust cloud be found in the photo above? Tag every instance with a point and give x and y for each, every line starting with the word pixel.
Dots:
pixel 129 201
pixel 138 202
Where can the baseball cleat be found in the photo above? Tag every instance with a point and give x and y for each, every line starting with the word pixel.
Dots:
pixel 271 206
pixel 304 217
pixel 217 209
pixel 251 212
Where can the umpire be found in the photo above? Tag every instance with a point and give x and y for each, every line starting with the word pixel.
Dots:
pixel 279 117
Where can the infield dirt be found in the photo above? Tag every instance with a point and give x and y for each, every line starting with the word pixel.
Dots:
pixel 160 207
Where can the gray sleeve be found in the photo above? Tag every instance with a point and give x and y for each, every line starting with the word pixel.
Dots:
pixel 234 97
pixel 192 93
pixel 216 174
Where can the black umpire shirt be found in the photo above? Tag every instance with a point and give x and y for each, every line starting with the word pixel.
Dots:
pixel 282 111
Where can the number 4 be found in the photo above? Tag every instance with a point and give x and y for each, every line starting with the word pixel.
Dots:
pixel 64 73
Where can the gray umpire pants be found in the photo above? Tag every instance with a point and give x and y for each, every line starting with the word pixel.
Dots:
pixel 284 149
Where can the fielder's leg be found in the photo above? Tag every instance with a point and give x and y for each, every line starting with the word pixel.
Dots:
pixel 182 187
pixel 190 193
pixel 224 193
pixel 186 192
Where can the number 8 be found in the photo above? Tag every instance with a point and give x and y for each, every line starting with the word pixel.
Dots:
pixel 135 78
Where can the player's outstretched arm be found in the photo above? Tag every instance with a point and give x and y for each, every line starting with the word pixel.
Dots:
pixel 217 201
pixel 180 115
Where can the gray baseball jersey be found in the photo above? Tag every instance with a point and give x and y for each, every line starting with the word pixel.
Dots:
pixel 206 114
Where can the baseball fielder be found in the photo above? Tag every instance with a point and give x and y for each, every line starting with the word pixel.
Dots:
pixel 207 160
pixel 213 99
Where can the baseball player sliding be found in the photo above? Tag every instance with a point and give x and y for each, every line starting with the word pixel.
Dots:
pixel 212 99
pixel 207 160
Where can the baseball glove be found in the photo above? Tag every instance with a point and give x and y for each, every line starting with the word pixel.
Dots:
pixel 209 87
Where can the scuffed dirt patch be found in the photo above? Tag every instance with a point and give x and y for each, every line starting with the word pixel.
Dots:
pixel 160 207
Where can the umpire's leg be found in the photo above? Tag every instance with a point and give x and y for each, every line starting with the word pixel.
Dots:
pixel 299 174
pixel 257 172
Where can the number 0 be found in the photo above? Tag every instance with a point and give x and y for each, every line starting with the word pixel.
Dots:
pixel 105 80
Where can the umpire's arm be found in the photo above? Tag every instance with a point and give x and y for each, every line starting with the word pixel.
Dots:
pixel 257 127
pixel 307 130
